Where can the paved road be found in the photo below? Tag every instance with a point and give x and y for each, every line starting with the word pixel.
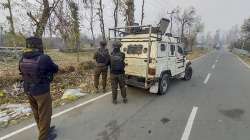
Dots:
pixel 214 105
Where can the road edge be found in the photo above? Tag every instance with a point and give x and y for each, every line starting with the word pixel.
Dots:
pixel 9 135
pixel 242 61
pixel 202 56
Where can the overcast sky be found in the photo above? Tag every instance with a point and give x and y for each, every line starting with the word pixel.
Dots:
pixel 216 14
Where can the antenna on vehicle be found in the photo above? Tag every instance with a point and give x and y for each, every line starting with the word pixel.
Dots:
pixel 163 25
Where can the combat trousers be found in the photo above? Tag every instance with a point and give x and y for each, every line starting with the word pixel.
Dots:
pixel 118 79
pixel 42 110
pixel 101 70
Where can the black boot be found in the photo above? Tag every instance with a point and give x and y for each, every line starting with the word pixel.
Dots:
pixel 52 129
pixel 52 136
pixel 125 100
pixel 115 102
pixel 52 133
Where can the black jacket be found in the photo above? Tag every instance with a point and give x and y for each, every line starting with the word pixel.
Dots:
pixel 102 57
pixel 46 68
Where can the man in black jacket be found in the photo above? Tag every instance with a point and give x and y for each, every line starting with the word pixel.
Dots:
pixel 37 70
pixel 117 71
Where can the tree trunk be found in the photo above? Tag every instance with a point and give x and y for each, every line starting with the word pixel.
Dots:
pixel 142 12
pixel 182 30
pixel 116 2
pixel 44 19
pixel 129 13
pixel 12 28
pixel 50 34
pixel 102 20
pixel 92 20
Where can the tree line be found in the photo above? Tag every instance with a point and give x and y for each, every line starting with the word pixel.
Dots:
pixel 239 37
pixel 63 19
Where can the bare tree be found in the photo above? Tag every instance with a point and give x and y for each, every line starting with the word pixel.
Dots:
pixel 8 5
pixel 101 19
pixel 92 19
pixel 129 12
pixel 190 25
pixel 245 28
pixel 174 11
pixel 233 34
pixel 64 25
pixel 76 27
pixel 142 12
pixel 41 21
pixel 116 13
pixel 90 4
pixel 194 30
pixel 186 18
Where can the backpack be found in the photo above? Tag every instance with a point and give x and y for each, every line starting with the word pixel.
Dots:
pixel 117 62
pixel 102 56
pixel 30 70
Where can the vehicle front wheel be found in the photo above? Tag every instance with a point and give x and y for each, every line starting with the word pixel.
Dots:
pixel 188 73
pixel 164 84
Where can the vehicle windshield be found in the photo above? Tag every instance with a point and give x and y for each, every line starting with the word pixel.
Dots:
pixel 134 49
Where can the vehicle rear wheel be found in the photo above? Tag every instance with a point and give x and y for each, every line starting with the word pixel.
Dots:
pixel 188 73
pixel 164 84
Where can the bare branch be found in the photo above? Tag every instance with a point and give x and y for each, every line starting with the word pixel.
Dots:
pixel 32 18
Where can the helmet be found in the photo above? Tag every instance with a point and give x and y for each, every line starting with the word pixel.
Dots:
pixel 103 43
pixel 34 43
pixel 117 44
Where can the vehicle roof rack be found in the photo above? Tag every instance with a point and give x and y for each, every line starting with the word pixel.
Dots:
pixel 120 33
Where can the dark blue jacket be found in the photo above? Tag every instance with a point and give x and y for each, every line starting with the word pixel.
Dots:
pixel 47 68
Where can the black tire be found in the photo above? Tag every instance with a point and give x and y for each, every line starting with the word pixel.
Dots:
pixel 164 84
pixel 188 73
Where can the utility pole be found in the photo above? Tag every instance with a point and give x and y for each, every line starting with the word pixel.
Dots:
pixel 171 20
pixel 1 36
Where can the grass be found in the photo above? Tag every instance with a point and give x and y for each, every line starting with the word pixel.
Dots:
pixel 62 58
pixel 245 58
pixel 71 75
pixel 197 52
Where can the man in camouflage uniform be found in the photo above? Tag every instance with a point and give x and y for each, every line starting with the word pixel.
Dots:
pixel 117 71
pixel 102 59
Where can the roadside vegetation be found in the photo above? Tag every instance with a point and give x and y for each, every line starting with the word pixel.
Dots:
pixel 239 40
pixel 245 58
pixel 71 75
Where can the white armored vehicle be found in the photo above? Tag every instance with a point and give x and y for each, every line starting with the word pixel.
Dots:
pixel 152 57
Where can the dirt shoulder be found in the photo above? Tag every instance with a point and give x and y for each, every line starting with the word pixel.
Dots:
pixel 71 75
pixel 197 52
pixel 245 58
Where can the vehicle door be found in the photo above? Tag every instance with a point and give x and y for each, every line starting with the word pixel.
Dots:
pixel 172 59
pixel 162 58
pixel 180 59
pixel 136 59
